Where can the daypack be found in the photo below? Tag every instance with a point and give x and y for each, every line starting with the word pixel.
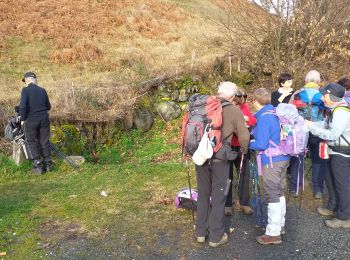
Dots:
pixel 309 104
pixel 12 128
pixel 205 112
pixel 183 199
pixel 294 134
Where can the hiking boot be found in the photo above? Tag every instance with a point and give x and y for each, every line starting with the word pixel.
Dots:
pixel 318 195
pixel 269 240
pixel 337 223
pixel 200 239
pixel 325 212
pixel 246 210
pixel 223 240
pixel 228 211
pixel 283 230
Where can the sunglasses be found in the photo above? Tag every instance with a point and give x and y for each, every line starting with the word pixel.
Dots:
pixel 241 95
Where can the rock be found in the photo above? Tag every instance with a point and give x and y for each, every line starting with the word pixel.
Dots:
pixel 77 159
pixel 175 95
pixel 183 95
pixel 142 119
pixel 168 110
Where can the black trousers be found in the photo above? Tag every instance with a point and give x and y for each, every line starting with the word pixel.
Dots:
pixel 338 185
pixel 211 183
pixel 243 177
pixel 37 134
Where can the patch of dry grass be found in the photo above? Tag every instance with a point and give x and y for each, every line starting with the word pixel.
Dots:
pixel 85 52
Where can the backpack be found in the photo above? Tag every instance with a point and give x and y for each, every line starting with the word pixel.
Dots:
pixel 309 104
pixel 204 113
pixel 183 199
pixel 294 133
pixel 12 128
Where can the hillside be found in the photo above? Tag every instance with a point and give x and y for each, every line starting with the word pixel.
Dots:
pixel 90 51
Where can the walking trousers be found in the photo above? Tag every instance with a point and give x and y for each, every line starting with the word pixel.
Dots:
pixel 338 185
pixel 211 183
pixel 37 134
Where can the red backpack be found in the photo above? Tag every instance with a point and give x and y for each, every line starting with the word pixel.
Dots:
pixel 203 111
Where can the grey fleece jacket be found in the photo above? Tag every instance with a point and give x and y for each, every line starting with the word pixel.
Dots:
pixel 331 132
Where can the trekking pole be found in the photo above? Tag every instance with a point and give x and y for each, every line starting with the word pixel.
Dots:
pixel 62 156
pixel 189 184
pixel 262 217
pixel 254 194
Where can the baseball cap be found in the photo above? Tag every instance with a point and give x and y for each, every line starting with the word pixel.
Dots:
pixel 28 74
pixel 335 89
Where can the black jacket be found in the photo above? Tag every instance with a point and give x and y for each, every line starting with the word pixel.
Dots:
pixel 34 102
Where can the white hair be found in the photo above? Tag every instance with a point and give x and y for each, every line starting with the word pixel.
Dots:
pixel 31 80
pixel 313 76
pixel 227 89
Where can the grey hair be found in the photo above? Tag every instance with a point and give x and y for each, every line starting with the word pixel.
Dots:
pixel 227 89
pixel 31 80
pixel 334 98
pixel 313 76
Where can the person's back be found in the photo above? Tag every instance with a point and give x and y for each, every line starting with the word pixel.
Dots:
pixel 37 102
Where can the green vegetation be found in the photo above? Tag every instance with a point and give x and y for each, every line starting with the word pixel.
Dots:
pixel 141 175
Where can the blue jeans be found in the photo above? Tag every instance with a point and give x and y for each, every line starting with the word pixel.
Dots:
pixel 319 166
pixel 296 167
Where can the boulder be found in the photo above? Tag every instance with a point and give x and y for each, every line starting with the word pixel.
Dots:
pixel 142 119
pixel 168 110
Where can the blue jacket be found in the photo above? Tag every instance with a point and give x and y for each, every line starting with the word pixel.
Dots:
pixel 267 128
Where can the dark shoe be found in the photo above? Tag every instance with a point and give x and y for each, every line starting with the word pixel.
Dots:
pixel 223 240
pixel 283 230
pixel 269 240
pixel 337 223
pixel 228 211
pixel 325 212
pixel 246 210
pixel 48 166
pixel 318 195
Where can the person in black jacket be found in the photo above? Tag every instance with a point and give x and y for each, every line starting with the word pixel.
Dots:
pixel 33 109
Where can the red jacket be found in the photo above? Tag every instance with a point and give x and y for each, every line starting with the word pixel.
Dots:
pixel 251 121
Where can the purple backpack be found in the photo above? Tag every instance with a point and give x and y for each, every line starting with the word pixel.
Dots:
pixel 294 134
pixel 183 199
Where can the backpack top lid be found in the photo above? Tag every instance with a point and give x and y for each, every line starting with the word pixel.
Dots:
pixel 287 113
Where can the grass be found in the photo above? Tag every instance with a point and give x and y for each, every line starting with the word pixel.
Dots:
pixel 141 183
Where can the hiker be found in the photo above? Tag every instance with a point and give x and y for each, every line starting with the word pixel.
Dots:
pixel 242 167
pixel 345 82
pixel 212 175
pixel 285 90
pixel 310 106
pixel 336 130
pixel 268 129
pixel 33 110
pixel 296 166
